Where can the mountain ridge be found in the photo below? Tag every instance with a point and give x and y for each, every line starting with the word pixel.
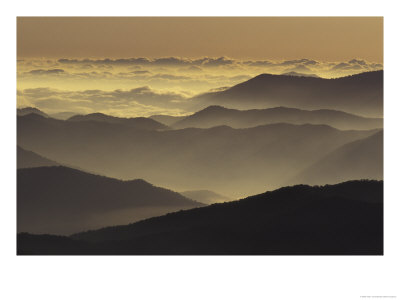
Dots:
pixel 139 122
pixel 30 159
pixel 363 157
pixel 186 159
pixel 216 115
pixel 361 93
pixel 341 219
pixel 61 200
pixel 205 196
pixel 30 110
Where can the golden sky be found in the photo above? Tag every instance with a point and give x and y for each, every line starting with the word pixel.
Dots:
pixel 142 66
pixel 321 38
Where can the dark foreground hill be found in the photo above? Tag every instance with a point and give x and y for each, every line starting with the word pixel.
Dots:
pixel 359 94
pixel 61 200
pixel 29 159
pixel 342 219
pixel 217 115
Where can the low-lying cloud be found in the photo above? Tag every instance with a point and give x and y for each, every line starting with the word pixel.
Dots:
pixel 142 65
pixel 141 101
pixel 141 85
pixel 46 72
pixel 164 61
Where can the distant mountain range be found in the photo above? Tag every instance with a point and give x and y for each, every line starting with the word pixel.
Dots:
pixel 30 110
pixel 29 159
pixel 233 162
pixel 63 115
pixel 167 120
pixel 139 123
pixel 361 94
pixel 61 200
pixel 343 219
pixel 293 73
pixel 279 130
pixel 205 196
pixel 217 115
pixel 359 159
pixel 151 123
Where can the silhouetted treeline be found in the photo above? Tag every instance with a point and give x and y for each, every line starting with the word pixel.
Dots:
pixel 342 219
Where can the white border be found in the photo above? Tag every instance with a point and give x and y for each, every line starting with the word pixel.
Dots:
pixel 259 277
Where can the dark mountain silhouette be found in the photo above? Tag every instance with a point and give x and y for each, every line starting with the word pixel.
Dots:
pixel 29 159
pixel 62 200
pixel 139 123
pixel 359 159
pixel 359 94
pixel 216 116
pixel 30 110
pixel 205 196
pixel 343 219
pixel 167 120
pixel 233 162
pixel 293 73
pixel 63 115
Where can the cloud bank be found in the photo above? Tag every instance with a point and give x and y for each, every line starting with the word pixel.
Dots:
pixel 141 101
pixel 143 86
pixel 144 65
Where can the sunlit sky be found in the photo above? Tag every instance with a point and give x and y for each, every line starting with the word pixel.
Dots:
pixel 143 66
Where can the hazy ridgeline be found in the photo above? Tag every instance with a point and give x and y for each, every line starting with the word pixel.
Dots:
pixel 60 200
pixel 29 159
pixel 138 123
pixel 360 94
pixel 206 197
pixel 234 162
pixel 290 130
pixel 361 158
pixel 217 116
